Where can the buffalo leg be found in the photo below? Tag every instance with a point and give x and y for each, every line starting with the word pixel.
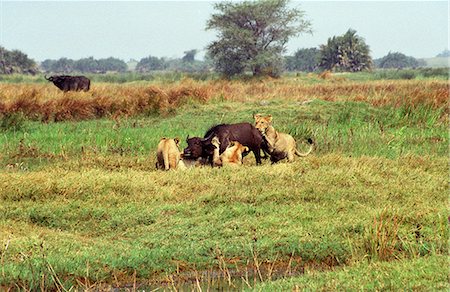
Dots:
pixel 257 154
pixel 265 154
pixel 265 150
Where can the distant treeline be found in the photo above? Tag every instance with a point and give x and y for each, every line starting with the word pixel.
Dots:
pixel 147 64
pixel 304 60
pixel 186 64
pixel 309 60
pixel 85 65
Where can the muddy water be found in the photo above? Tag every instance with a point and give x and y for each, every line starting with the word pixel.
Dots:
pixel 216 280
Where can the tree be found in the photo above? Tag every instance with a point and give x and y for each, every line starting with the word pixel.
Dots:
pixel 396 60
pixel 112 64
pixel 253 35
pixel 348 52
pixel 306 60
pixel 47 65
pixel 445 53
pixel 16 62
pixel 189 56
pixel 183 66
pixel 151 63
pixel 86 65
pixel 63 65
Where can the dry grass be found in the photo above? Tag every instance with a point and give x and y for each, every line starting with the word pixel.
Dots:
pixel 46 103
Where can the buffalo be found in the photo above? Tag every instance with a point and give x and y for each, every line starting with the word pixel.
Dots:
pixel 70 83
pixel 244 133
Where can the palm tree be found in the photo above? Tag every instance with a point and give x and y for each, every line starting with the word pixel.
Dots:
pixel 348 52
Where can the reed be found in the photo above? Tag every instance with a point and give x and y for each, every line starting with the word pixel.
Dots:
pixel 45 103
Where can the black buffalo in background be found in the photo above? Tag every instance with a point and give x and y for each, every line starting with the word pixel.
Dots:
pixel 244 133
pixel 70 83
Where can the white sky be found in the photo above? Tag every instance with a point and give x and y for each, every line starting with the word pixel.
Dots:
pixel 126 29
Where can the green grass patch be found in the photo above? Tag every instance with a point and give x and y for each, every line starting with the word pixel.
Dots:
pixel 411 275
pixel 324 210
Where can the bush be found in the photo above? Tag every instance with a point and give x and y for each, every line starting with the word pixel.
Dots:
pixel 408 74
pixel 435 72
pixel 412 73
pixel 397 74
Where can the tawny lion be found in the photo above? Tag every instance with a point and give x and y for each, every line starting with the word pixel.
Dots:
pixel 280 145
pixel 232 154
pixel 168 154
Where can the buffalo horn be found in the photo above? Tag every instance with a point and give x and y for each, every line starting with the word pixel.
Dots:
pixel 208 138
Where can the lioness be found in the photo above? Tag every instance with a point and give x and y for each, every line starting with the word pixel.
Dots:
pixel 217 161
pixel 232 154
pixel 168 154
pixel 280 145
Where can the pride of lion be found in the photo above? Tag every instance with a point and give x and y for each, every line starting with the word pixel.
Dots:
pixel 228 145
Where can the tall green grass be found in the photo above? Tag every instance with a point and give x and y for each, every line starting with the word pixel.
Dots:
pixel 350 128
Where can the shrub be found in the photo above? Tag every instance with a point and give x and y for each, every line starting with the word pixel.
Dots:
pixel 435 72
pixel 393 74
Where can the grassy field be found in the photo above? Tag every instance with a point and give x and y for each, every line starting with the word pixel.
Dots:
pixel 82 206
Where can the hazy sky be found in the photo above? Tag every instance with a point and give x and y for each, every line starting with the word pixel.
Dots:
pixel 130 29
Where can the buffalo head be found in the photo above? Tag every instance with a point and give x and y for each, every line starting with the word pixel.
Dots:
pixel 198 147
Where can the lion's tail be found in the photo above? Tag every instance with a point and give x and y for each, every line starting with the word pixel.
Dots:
pixel 311 148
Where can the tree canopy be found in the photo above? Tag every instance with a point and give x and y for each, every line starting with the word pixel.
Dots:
pixel 84 65
pixel 396 60
pixel 16 61
pixel 348 52
pixel 189 56
pixel 252 35
pixel 306 60
pixel 151 63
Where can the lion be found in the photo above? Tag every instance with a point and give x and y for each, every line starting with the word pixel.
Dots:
pixel 232 154
pixel 217 161
pixel 168 154
pixel 280 145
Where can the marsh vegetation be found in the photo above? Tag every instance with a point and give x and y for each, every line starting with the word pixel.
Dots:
pixel 82 205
